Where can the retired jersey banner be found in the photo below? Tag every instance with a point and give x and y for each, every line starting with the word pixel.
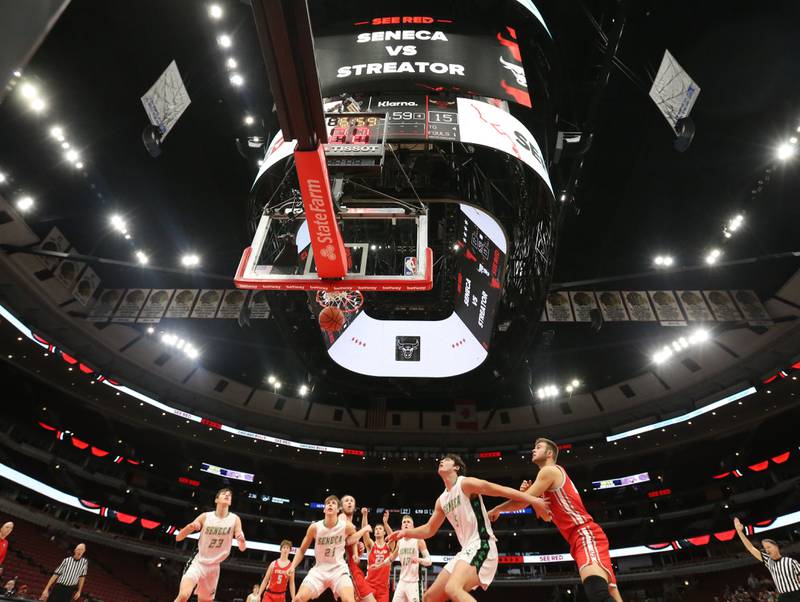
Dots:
pixel 85 287
pixel 106 304
pixel 419 53
pixel 666 306
pixel 752 309
pixel 207 304
pixel 232 304
pixel 722 306
pixel 583 302
pixel 182 303
pixel 611 306
pixel 558 307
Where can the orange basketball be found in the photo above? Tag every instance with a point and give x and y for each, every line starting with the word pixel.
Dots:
pixel 331 319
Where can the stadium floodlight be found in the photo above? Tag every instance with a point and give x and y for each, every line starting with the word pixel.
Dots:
pixel 272 380
pixel 236 79
pixel 225 41
pixel 57 132
pixel 713 256
pixel 190 260
pixel 142 257
pixel 38 105
pixel 785 151
pixel 249 120
pixel 231 63
pixel 25 204
pixel 303 390
pixel 118 223
pixel 215 11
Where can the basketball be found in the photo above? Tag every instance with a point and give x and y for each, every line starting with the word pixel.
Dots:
pixel 331 319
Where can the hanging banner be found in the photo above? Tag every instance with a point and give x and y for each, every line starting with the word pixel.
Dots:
pixel 131 305
pixel 232 304
pixel 666 306
pixel 207 303
pixel 639 306
pixel 182 303
pixel 673 90
pixel 722 306
pixel 156 306
pixel 419 53
pixel 751 307
pixel 611 306
pixel 68 271
pixel 106 304
pixel 558 308
pixel 166 100
pixel 54 241
pixel 87 285
pixel 583 302
pixel 695 307
pixel 259 306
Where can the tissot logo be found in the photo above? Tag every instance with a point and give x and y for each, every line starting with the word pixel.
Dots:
pixel 397 103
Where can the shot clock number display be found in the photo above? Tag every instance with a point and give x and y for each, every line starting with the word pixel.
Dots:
pixel 355 140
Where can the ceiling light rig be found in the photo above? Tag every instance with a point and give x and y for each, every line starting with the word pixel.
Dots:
pixel 663 261
pixel 713 256
pixel 71 155
pixel 733 225
pixel 173 340
pixel 231 63
pixel 224 40
pixel 25 203
pixel 697 337
pixel 3 178
pixel 215 11
pixel 190 260
pixel 119 224
pixel 551 391
pixel 30 93
pixel 142 257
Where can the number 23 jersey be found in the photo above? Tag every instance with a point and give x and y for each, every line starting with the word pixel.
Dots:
pixel 216 538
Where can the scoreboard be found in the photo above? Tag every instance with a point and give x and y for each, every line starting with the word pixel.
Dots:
pixel 355 140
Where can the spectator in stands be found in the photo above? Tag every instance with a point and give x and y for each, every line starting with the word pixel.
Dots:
pixel 5 531
pixel 10 589
pixel 68 578
pixel 785 571
pixel 22 591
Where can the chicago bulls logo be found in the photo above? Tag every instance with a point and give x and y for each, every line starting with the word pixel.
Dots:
pixel 407 349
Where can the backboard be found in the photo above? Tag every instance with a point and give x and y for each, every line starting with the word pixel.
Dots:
pixel 386 249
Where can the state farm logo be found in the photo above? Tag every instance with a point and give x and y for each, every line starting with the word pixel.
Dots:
pixel 328 252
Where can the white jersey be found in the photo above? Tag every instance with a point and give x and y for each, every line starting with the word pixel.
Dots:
pixel 407 550
pixel 216 537
pixel 329 544
pixel 467 516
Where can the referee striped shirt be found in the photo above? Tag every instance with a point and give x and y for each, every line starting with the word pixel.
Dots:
pixel 70 570
pixel 785 573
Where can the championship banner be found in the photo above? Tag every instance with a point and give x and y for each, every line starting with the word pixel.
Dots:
pixel 558 308
pixel 722 306
pixel 54 241
pixel 611 306
pixel 87 285
pixel 752 309
pixel 695 306
pixel 639 306
pixel 669 308
pixel 232 304
pixel 182 303
pixel 406 53
pixel 666 306
pixel 583 302
pixel 105 306
pixel 131 305
pixel 207 304
pixel 259 306
pixel 156 306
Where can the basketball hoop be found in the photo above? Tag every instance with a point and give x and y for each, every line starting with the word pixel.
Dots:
pixel 347 301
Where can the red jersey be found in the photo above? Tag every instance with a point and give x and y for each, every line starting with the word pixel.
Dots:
pixel 378 578
pixel 3 550
pixel 279 580
pixel 567 507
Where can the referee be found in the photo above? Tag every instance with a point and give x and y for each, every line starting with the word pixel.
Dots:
pixel 68 578
pixel 785 571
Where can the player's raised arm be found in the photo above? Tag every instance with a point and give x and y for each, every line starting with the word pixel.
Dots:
pixel 473 486
pixel 265 580
pixel 311 533
pixel 544 481
pixel 192 527
pixel 364 522
pixel 353 536
pixel 387 529
pixel 425 531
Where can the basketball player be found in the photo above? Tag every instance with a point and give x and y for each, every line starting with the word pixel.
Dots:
pixel 461 503
pixel 254 596
pixel 277 577
pixel 218 529
pixel 330 536
pixel 412 553
pixel 588 543
pixel 378 561
pixel 363 590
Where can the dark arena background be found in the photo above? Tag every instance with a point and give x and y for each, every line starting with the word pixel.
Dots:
pixel 298 248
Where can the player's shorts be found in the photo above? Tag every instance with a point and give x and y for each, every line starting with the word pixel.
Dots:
pixel 361 587
pixel 273 597
pixel 588 544
pixel 379 585
pixel 381 593
pixel 408 591
pixel 334 578
pixel 482 554
pixel 205 576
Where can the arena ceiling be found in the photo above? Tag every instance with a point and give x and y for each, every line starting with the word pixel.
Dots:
pixel 634 197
